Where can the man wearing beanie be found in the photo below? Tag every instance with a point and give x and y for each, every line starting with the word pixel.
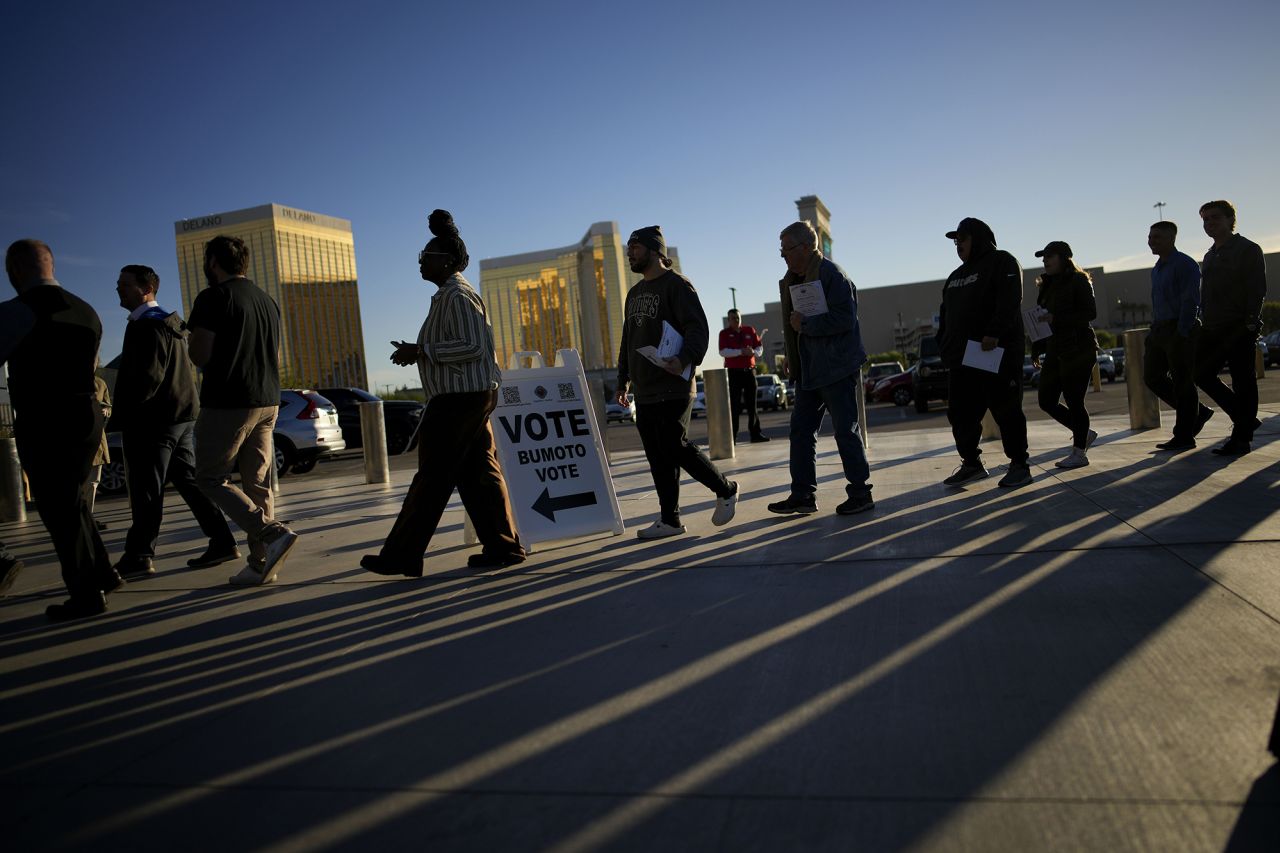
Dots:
pixel 982 302
pixel 664 392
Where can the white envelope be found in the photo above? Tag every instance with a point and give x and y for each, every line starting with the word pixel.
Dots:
pixel 975 356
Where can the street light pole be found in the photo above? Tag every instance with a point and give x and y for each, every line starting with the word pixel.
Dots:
pixel 1159 206
pixel 733 292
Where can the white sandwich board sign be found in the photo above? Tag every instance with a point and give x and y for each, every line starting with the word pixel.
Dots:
pixel 551 451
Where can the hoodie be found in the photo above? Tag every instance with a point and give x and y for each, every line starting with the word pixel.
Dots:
pixel 668 297
pixel 155 382
pixel 983 298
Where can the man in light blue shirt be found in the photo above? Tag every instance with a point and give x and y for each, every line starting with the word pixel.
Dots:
pixel 1175 300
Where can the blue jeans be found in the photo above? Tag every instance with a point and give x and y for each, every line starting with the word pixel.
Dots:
pixel 840 400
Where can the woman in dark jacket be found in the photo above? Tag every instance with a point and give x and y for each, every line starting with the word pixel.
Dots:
pixel 1068 356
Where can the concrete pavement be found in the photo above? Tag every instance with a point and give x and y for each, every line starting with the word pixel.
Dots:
pixel 1091 662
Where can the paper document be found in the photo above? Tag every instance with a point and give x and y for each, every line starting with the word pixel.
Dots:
pixel 669 347
pixel 974 356
pixel 1037 329
pixel 809 298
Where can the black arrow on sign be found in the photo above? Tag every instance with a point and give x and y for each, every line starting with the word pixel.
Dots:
pixel 548 506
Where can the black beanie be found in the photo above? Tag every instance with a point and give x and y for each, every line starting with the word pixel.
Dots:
pixel 650 238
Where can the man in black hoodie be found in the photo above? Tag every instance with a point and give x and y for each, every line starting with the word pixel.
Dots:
pixel 661 303
pixel 982 302
pixel 156 408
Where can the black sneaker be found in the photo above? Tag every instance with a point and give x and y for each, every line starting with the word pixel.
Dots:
pixel 1176 445
pixel 215 555
pixel 1202 418
pixel 495 561
pixel 380 565
pixel 855 505
pixel 111 582
pixel 135 567
pixel 1233 447
pixel 966 473
pixel 76 608
pixel 1019 474
pixel 757 439
pixel 794 504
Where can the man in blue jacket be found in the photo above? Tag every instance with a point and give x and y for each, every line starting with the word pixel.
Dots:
pixel 825 355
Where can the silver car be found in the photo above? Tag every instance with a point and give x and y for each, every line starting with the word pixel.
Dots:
pixel 306 429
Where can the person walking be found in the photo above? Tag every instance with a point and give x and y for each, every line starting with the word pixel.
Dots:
pixel 1068 356
pixel 740 346
pixel 982 309
pixel 1169 350
pixel 824 349
pixel 50 343
pixel 459 371
pixel 661 303
pixel 235 339
pixel 155 411
pixel 1233 286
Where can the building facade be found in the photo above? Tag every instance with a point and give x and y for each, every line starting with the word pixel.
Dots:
pixel 566 298
pixel 306 262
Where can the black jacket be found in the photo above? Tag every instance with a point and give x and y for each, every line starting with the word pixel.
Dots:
pixel 668 297
pixel 1069 298
pixel 983 298
pixel 155 383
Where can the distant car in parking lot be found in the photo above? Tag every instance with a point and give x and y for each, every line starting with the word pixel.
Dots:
pixel 897 388
pixel 1107 366
pixel 1117 355
pixel 400 418
pixel 875 372
pixel 771 394
pixel 306 429
pixel 615 412
pixel 1271 356
pixel 1029 371
pixel 931 376
pixel 699 401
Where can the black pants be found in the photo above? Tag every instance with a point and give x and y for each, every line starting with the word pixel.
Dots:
pixel 664 431
pixel 1169 359
pixel 742 395
pixel 150 457
pixel 1066 374
pixel 1233 346
pixel 970 394
pixel 455 450
pixel 57 447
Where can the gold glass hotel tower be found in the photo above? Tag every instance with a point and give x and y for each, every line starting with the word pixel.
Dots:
pixel 566 298
pixel 307 263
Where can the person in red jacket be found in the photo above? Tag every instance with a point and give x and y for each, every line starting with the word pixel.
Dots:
pixel 740 346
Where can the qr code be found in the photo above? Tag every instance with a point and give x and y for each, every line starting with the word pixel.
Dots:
pixel 510 395
pixel 566 391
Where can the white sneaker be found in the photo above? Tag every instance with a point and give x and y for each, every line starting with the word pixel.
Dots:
pixel 725 508
pixel 659 530
pixel 1077 458
pixel 1088 442
pixel 253 574
pixel 278 545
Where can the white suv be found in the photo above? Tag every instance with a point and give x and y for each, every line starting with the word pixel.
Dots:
pixel 306 429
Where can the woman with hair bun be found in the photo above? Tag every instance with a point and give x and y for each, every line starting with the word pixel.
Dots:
pixel 455 359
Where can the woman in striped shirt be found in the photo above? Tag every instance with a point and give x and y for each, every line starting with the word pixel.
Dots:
pixel 455 358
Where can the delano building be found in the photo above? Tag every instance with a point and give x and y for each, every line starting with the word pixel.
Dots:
pixel 566 298
pixel 307 263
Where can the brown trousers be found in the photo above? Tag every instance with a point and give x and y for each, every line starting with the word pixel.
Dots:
pixel 455 450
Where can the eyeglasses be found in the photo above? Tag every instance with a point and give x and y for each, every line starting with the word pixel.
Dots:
pixel 786 249
pixel 423 254
pixel 959 240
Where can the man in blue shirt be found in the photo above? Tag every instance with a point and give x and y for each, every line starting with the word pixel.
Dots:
pixel 1175 300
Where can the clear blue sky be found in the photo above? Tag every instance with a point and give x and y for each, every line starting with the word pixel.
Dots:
pixel 530 121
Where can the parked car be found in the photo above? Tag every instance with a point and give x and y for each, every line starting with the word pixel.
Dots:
pixel 306 429
pixel 615 412
pixel 699 401
pixel 931 376
pixel 113 482
pixel 1265 349
pixel 897 389
pixel 1107 366
pixel 1117 355
pixel 400 418
pixel 770 392
pixel 1029 371
pixel 1272 356
pixel 875 372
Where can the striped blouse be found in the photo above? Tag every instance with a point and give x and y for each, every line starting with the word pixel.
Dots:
pixel 456 343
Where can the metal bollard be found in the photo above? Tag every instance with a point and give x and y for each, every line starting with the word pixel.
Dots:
pixel 990 429
pixel 373 432
pixel 719 423
pixel 862 415
pixel 595 387
pixel 1144 405
pixel 1097 377
pixel 13 504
